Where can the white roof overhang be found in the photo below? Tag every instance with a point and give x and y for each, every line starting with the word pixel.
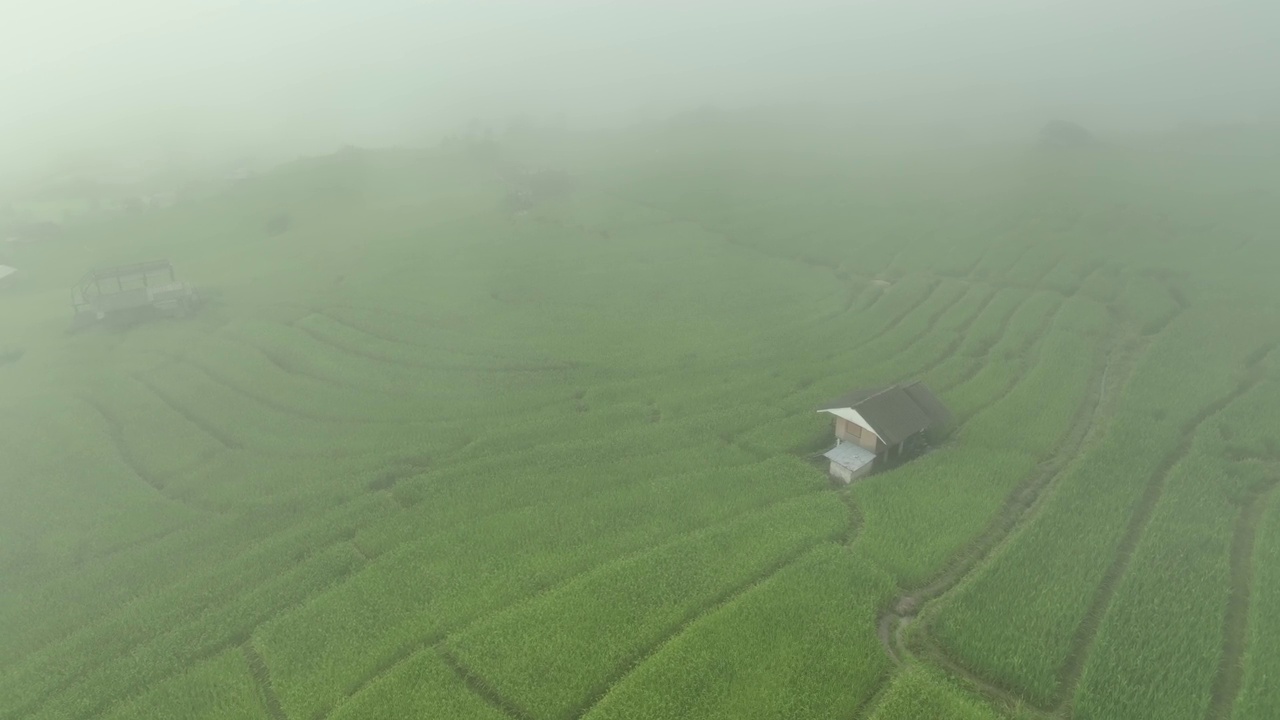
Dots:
pixel 852 416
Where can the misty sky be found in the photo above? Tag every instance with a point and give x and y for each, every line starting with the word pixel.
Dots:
pixel 183 75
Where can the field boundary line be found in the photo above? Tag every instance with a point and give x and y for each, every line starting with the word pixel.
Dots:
pixel 1039 281
pixel 1235 626
pixel 893 260
pixel 440 367
pixel 842 274
pixel 934 284
pixel 967 272
pixel 481 688
pixel 130 460
pixel 521 364
pixel 902 351
pixel 1021 505
pixel 960 332
pixel 227 441
pixel 1086 634
pixel 289 369
pixel 328 309
pixel 996 276
pixel 262 678
pixel 122 448
pixel 986 352
pixel 277 406
pixel 276 532
pixel 714 605
pixel 1032 353
pixel 869 704
pixel 1094 266
pixel 1031 357
pixel 437 639
pixel 205 653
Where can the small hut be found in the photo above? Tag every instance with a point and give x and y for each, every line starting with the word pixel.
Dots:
pixel 128 290
pixel 875 425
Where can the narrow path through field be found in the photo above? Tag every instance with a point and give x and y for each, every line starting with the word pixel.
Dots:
pixel 435 641
pixel 289 368
pixel 1018 508
pixel 482 689
pixel 1001 333
pixel 490 695
pixel 1226 685
pixel 138 686
pixel 961 332
pixel 1071 670
pixel 227 441
pixel 1028 358
pixel 262 678
pixel 115 431
pixel 896 320
pixel 709 608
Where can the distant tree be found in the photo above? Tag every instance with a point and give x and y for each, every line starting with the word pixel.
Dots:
pixel 1065 134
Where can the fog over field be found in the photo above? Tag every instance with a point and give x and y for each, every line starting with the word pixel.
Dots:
pixel 382 360
pixel 282 76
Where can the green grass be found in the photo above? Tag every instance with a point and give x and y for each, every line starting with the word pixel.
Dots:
pixel 221 687
pixel 424 686
pixel 980 337
pixel 569 644
pixel 1143 666
pixel 917 692
pixel 799 645
pixel 1258 693
pixel 923 513
pixel 429 461
pixel 1015 622
pixel 415 593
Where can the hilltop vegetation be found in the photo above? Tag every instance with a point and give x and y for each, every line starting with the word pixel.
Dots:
pixel 420 458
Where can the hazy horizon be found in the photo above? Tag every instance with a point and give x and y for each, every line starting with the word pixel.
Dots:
pixel 210 79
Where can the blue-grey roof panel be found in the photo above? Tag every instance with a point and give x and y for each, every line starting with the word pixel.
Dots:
pixel 849 455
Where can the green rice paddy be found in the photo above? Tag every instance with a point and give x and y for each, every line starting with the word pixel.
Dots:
pixel 415 458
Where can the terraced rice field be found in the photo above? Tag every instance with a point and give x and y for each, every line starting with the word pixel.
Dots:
pixel 419 459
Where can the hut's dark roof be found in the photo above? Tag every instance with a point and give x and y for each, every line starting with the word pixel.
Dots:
pixel 895 412
pixel 851 400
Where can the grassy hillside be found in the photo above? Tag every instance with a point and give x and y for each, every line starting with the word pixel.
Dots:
pixel 417 458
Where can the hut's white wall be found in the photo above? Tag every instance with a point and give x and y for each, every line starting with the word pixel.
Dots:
pixel 845 475
pixel 841 473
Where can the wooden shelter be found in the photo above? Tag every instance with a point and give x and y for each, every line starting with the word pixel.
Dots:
pixel 877 424
pixel 129 289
